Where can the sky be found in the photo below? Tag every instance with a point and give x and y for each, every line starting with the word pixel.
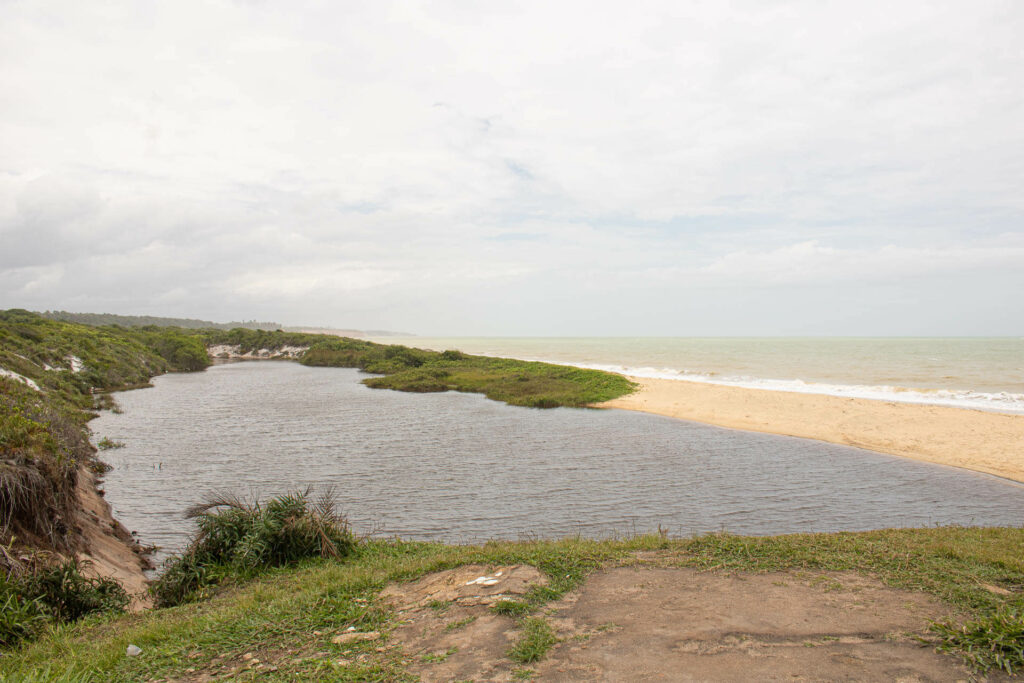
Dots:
pixel 519 168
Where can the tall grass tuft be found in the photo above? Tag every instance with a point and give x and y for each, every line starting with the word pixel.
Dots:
pixel 31 597
pixel 995 641
pixel 238 538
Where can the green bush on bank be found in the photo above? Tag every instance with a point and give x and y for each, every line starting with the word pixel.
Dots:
pixel 44 448
pixel 237 539
pixel 53 594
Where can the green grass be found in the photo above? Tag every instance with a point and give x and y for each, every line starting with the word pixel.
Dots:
pixel 535 639
pixel 439 606
pixel 511 608
pixel 33 598
pixel 438 657
pixel 455 625
pixel 276 615
pixel 995 641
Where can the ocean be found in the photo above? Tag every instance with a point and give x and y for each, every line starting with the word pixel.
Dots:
pixel 966 372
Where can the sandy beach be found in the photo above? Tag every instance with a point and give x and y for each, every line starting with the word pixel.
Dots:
pixel 972 439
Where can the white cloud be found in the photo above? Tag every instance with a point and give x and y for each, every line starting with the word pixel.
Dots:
pixel 815 264
pixel 397 164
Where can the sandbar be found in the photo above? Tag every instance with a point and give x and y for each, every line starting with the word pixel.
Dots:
pixel 992 443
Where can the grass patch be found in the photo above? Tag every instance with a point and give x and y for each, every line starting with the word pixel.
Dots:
pixel 996 641
pixel 439 606
pixel 511 608
pixel 536 639
pixel 438 657
pixel 455 625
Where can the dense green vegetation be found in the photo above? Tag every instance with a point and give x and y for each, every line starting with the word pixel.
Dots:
pixel 33 599
pixel 44 447
pixel 252 340
pixel 288 617
pixel 517 382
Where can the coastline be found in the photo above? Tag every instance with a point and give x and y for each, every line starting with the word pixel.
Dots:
pixel 991 443
pixel 108 546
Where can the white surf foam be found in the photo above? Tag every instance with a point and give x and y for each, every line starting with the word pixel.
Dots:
pixel 1002 402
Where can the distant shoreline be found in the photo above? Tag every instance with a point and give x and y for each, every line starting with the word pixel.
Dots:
pixel 991 443
pixel 973 373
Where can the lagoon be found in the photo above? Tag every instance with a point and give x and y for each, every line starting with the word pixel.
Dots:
pixel 460 468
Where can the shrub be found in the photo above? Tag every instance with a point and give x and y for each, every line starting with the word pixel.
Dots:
pixel 68 595
pixel 32 598
pixel 237 538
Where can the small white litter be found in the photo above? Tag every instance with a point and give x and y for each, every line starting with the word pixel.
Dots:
pixel 134 651
pixel 484 580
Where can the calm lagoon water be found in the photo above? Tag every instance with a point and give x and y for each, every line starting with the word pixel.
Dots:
pixel 458 467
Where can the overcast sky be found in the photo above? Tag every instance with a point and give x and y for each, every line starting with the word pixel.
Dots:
pixel 548 168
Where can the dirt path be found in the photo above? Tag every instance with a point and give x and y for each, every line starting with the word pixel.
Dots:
pixel 671 624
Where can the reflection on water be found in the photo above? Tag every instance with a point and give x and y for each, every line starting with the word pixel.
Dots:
pixel 458 467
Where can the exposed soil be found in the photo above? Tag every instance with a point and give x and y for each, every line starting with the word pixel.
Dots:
pixel 446 626
pixel 109 547
pixel 651 623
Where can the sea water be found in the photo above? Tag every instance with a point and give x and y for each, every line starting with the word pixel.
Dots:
pixel 969 372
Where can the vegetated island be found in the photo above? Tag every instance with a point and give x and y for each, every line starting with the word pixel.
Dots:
pixel 282 590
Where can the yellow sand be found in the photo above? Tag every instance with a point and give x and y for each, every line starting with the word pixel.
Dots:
pixel 972 439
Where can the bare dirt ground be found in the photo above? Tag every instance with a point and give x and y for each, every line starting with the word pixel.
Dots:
pixel 650 623
pixel 446 626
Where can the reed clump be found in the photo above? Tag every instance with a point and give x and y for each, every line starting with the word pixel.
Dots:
pixel 238 539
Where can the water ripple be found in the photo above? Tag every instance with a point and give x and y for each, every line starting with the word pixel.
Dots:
pixel 458 467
